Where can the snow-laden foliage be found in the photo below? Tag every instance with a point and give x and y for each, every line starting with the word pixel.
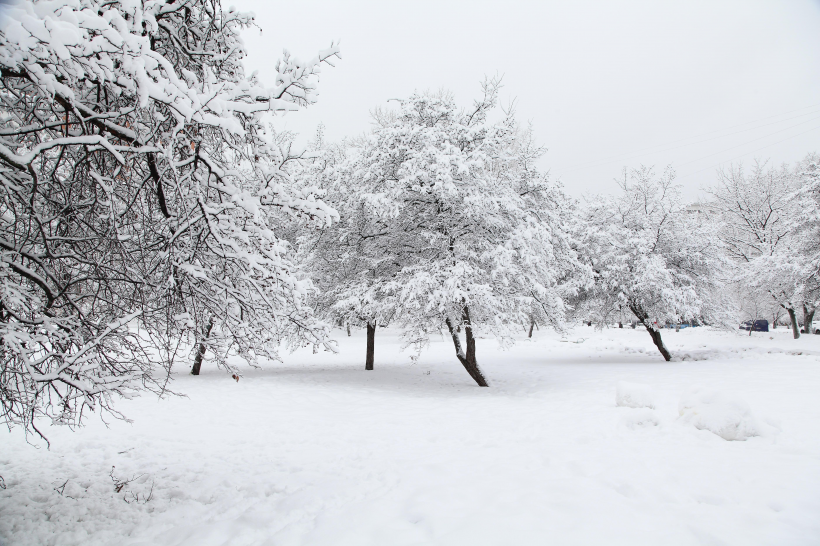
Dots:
pixel 653 257
pixel 805 241
pixel 808 220
pixel 757 211
pixel 446 222
pixel 140 200
pixel 770 228
pixel 347 258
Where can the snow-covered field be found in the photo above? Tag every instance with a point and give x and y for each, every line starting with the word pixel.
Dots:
pixel 318 451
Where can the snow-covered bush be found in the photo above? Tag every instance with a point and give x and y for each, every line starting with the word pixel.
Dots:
pixel 729 418
pixel 139 199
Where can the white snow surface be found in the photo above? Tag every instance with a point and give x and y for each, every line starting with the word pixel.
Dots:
pixel 634 395
pixel 318 451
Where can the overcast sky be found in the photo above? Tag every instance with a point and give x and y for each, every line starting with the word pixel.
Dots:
pixel 605 84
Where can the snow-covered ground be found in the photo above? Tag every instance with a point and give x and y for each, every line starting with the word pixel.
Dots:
pixel 318 451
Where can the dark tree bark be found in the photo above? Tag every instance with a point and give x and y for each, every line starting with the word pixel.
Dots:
pixel 371 345
pixel 200 354
pixel 653 330
pixel 532 325
pixel 808 318
pixel 468 359
pixel 468 332
pixel 795 326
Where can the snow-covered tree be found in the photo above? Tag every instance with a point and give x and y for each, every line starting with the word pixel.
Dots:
pixel 465 233
pixel 140 199
pixel 347 259
pixel 757 210
pixel 804 243
pixel 653 257
pixel 785 275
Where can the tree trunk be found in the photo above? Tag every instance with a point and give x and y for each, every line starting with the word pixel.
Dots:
pixel 348 329
pixel 655 334
pixel 793 318
pixel 653 330
pixel 468 332
pixel 200 354
pixel 371 345
pixel 467 360
pixel 532 325
pixel 808 318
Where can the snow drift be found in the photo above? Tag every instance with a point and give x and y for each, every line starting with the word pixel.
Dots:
pixel 729 418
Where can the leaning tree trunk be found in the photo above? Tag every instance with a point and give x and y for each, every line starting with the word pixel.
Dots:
pixel 808 318
pixel 653 330
pixel 467 359
pixel 371 345
pixel 793 318
pixel 200 354
pixel 468 332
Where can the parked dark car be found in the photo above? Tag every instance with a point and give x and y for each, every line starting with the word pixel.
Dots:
pixel 759 325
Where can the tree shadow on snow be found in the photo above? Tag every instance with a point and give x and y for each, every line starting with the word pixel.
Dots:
pixel 398 378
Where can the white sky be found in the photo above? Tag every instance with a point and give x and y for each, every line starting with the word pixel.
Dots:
pixel 605 84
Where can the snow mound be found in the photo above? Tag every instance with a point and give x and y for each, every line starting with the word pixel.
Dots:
pixel 634 395
pixel 729 418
